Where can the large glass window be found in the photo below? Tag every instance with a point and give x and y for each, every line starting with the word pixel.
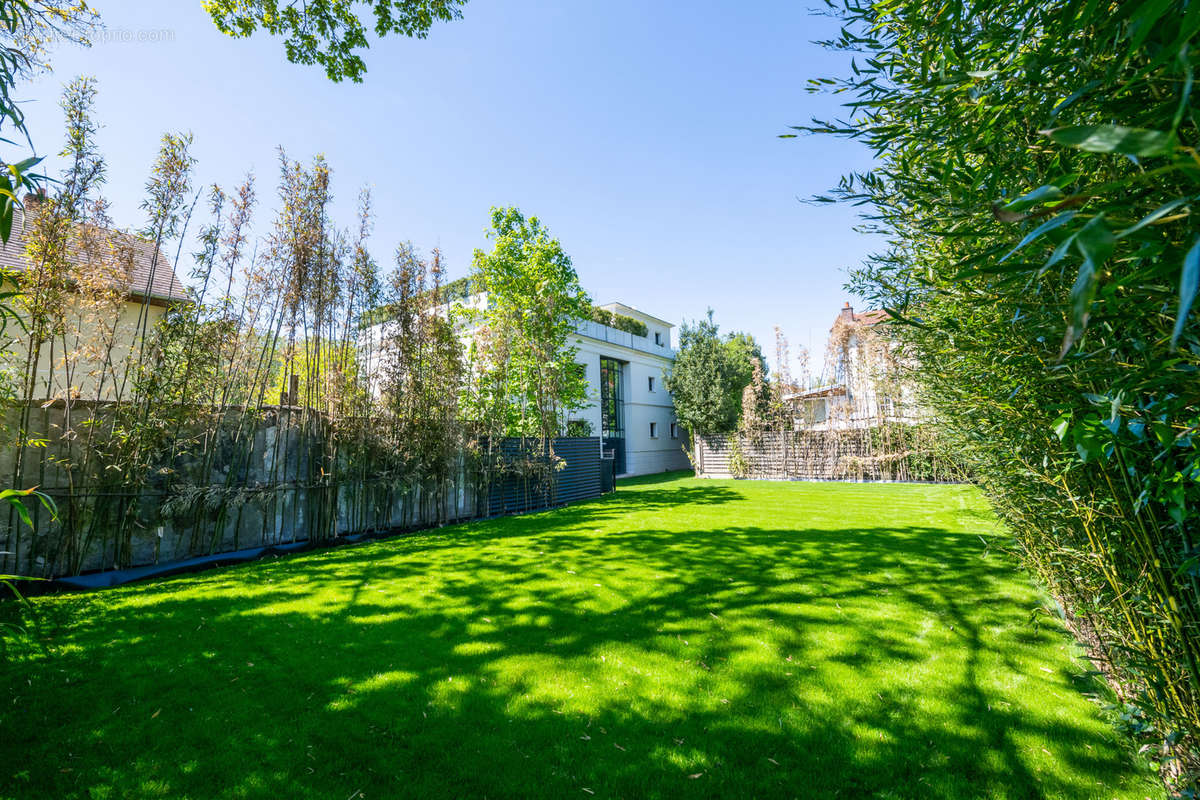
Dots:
pixel 612 399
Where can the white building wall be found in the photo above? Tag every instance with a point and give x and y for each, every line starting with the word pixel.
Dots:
pixel 644 454
pixel 645 357
pixel 96 371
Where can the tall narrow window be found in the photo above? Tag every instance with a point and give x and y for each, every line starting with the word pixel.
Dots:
pixel 612 409
pixel 658 338
pixel 653 430
pixel 612 400
pixel 652 383
pixel 674 430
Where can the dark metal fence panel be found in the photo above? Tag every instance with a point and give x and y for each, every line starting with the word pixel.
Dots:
pixel 519 487
pixel 580 478
pixel 527 489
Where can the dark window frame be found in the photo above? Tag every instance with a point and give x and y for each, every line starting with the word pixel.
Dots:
pixel 612 398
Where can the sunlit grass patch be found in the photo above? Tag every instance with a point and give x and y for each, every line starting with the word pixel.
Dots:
pixel 679 638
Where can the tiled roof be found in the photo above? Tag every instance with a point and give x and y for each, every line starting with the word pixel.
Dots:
pixel 872 317
pixel 848 314
pixel 161 285
pixel 836 390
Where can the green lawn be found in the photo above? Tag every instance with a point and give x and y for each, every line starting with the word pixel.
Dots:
pixel 680 638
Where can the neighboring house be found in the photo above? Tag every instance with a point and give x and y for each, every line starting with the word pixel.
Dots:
pixel 630 409
pixel 862 386
pixel 130 289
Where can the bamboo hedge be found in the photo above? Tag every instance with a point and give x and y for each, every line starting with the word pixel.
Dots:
pixel 1036 177
pixel 253 402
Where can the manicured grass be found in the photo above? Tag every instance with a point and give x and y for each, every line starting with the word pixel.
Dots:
pixel 680 638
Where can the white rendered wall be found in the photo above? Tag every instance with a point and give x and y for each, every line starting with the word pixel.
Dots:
pixel 97 371
pixel 644 454
pixel 644 356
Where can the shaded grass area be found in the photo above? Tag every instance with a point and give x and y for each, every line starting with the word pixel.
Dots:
pixel 681 638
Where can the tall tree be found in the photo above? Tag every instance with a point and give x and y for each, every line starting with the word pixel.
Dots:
pixel 534 302
pixel 708 377
pixel 743 353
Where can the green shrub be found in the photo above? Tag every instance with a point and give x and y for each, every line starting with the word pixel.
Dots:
pixel 620 322
pixel 579 427
pixel 629 325
pixel 460 289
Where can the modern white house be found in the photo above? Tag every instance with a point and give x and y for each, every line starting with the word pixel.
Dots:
pixel 630 408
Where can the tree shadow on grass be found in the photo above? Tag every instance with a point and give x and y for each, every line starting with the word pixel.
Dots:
pixel 710 663
pixel 654 479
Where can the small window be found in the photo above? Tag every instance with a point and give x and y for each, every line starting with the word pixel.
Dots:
pixel 674 430
pixel 653 430
pixel 652 383
pixel 658 338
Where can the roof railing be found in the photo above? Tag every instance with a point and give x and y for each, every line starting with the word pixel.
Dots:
pixel 603 333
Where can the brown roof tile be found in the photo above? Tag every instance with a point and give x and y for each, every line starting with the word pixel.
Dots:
pixel 872 317
pixel 147 278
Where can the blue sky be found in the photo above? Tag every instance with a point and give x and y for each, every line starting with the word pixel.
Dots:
pixel 644 134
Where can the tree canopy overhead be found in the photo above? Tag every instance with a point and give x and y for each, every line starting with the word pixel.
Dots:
pixel 29 30
pixel 331 33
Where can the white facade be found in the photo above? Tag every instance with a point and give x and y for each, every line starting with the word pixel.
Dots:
pixel 654 441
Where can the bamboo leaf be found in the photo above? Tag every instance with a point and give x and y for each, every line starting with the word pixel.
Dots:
pixel 1155 215
pixel 14 496
pixel 1059 253
pixel 1095 242
pixel 1139 142
pixel 1143 20
pixel 1040 195
pixel 1062 425
pixel 1040 230
pixel 27 164
pixel 1073 96
pixel 1189 282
